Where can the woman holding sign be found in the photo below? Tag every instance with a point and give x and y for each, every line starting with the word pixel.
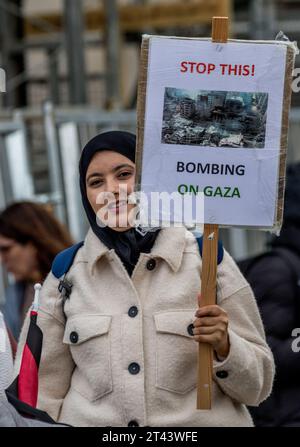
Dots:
pixel 121 321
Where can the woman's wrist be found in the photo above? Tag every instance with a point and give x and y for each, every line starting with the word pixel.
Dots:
pixel 223 349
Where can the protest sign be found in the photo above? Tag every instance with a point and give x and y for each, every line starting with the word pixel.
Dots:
pixel 213 118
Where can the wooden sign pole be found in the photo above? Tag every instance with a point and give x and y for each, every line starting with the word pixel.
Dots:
pixel 209 270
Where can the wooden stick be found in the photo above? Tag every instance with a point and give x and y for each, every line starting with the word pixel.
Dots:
pixel 209 270
pixel 208 297
pixel 219 29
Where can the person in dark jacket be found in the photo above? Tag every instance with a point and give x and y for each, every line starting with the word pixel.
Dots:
pixel 275 279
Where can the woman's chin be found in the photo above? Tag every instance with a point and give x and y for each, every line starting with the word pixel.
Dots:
pixel 119 229
pixel 114 224
pixel 119 221
pixel 119 224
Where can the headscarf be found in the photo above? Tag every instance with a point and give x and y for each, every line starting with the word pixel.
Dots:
pixel 127 244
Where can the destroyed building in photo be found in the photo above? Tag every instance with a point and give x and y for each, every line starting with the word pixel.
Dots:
pixel 214 118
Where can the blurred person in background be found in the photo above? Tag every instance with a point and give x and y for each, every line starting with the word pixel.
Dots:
pixel 275 279
pixel 30 238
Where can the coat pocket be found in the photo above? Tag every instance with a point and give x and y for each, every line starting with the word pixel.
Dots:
pixel 89 340
pixel 176 351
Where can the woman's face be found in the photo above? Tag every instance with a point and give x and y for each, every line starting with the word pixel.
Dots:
pixel 109 182
pixel 19 260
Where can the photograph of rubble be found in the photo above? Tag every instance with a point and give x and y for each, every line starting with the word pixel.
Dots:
pixel 214 118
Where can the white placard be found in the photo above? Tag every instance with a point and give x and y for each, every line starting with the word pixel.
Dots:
pixel 213 119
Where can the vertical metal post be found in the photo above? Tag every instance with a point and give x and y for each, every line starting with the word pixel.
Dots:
pixel 55 168
pixel 263 19
pixel 74 29
pixel 52 54
pixel 6 186
pixel 113 57
pixel 70 154
pixel 18 160
pixel 238 243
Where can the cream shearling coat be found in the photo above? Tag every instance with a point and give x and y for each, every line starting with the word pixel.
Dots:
pixel 88 383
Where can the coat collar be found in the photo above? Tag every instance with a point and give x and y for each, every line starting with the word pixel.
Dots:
pixel 94 249
pixel 169 246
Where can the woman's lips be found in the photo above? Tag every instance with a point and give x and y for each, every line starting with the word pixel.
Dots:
pixel 116 206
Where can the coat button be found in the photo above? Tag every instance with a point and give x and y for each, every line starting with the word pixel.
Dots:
pixel 133 424
pixel 151 264
pixel 133 311
pixel 222 374
pixel 134 368
pixel 190 329
pixel 74 337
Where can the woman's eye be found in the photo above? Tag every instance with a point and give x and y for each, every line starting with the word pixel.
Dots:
pixel 95 183
pixel 124 174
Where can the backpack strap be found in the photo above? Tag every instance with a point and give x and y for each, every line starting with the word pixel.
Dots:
pixel 220 248
pixel 60 267
pixel 63 261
